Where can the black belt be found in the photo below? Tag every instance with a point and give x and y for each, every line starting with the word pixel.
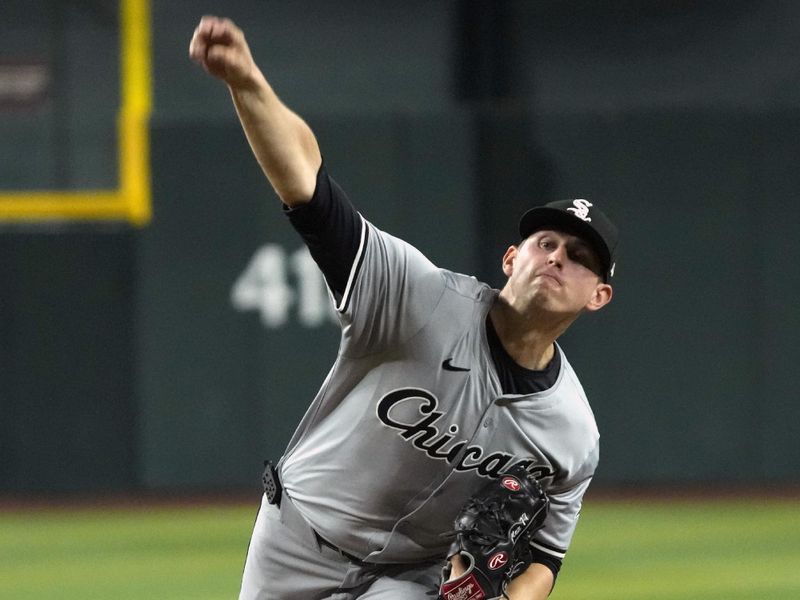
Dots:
pixel 342 553
pixel 274 491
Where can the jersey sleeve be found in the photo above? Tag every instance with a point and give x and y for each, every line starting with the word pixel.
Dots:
pixel 392 294
pixel 566 499
pixel 554 537
pixel 383 289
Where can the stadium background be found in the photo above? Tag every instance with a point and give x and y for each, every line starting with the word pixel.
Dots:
pixel 160 332
pixel 126 363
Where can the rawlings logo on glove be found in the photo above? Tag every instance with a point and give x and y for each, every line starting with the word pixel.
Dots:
pixel 493 534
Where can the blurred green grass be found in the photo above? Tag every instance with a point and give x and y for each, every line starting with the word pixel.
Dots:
pixel 687 549
pixel 175 553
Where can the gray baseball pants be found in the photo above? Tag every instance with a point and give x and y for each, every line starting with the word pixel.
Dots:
pixel 285 561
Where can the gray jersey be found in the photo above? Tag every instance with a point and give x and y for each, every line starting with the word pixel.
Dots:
pixel 411 419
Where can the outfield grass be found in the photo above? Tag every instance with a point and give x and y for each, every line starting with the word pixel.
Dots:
pixel 159 554
pixel 698 550
pixel 682 550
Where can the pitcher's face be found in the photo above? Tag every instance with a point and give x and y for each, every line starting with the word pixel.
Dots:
pixel 557 272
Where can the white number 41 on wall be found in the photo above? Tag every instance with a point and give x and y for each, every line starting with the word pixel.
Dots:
pixel 265 285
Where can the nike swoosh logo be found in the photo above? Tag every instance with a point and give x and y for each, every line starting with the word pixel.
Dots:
pixel 447 365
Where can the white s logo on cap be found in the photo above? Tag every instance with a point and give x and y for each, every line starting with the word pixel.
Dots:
pixel 581 209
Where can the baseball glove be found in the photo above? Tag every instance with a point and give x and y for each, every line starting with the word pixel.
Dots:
pixel 493 533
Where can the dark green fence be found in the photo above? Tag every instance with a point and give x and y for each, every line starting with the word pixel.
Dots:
pixel 131 360
pixel 182 354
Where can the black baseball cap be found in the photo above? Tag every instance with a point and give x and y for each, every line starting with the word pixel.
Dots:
pixel 578 217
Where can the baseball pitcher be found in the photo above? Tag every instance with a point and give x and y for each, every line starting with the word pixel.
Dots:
pixel 448 450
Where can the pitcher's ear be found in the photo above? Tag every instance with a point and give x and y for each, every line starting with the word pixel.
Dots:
pixel 602 295
pixel 508 260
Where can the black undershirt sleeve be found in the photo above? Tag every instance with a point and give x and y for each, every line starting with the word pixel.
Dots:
pixel 331 228
pixel 549 561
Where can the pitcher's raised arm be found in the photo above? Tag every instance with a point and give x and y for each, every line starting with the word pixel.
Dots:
pixel 282 142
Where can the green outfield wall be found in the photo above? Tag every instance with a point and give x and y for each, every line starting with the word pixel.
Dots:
pixel 182 353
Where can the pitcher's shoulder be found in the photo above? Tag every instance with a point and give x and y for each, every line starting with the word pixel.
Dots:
pixel 580 406
pixel 468 286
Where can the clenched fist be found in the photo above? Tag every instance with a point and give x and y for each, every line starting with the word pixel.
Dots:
pixel 220 47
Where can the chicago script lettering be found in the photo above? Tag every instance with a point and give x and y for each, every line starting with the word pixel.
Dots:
pixel 425 436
